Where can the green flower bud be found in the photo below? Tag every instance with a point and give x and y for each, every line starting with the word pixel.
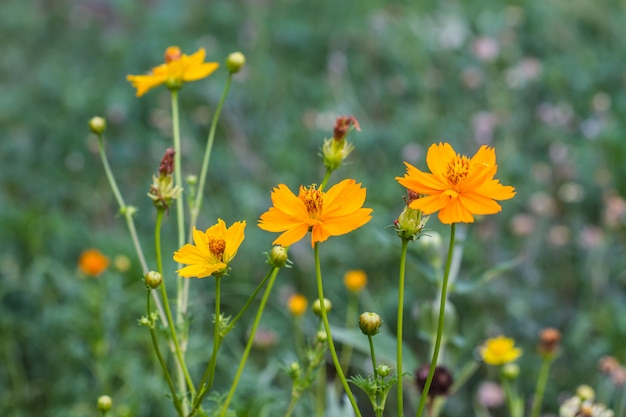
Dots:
pixel 104 403
pixel 510 371
pixel 317 307
pixel 153 279
pixel 294 370
pixel 370 323
pixel 235 61
pixel 322 337
pixel 97 125
pixel 278 256
pixel 585 392
pixel 383 370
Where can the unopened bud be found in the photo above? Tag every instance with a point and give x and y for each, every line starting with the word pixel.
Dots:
pixel 585 392
pixel 104 403
pixel 235 62
pixel 278 256
pixel 153 279
pixel 97 125
pixel 510 371
pixel 383 370
pixel 410 223
pixel 294 370
pixel 549 341
pixel 317 306
pixel 322 337
pixel 441 383
pixel 370 323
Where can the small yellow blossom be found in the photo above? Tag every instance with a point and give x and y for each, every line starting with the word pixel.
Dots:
pixel 297 304
pixel 499 351
pixel 212 250
pixel 92 262
pixel 355 280
pixel 177 69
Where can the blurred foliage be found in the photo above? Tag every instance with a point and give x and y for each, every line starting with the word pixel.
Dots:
pixel 543 81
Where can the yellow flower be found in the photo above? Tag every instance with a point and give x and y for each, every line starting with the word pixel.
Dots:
pixel 335 212
pixel 297 304
pixel 499 351
pixel 92 262
pixel 177 69
pixel 458 186
pixel 355 280
pixel 212 250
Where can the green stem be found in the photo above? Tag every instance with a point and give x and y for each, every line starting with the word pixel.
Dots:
pixel 168 378
pixel 331 345
pixel 181 362
pixel 351 320
pixel 372 352
pixel 325 180
pixel 399 372
pixel 442 310
pixel 511 398
pixel 127 212
pixel 210 369
pixel 246 352
pixel 197 199
pixel 542 380
pixel 216 333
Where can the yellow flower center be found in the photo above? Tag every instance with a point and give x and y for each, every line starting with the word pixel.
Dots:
pixel 217 247
pixel 312 198
pixel 458 169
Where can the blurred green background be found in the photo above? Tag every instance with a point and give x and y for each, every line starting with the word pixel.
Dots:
pixel 541 80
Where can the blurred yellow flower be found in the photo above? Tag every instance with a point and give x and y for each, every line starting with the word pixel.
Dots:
pixel 499 351
pixel 177 69
pixel 212 250
pixel 335 212
pixel 355 280
pixel 92 262
pixel 297 304
pixel 457 186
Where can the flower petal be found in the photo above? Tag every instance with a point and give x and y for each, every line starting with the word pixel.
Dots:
pixel 438 157
pixel 292 235
pixel 455 212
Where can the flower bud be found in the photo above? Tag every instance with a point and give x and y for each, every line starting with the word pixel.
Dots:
pixel 383 370
pixel 321 336
pixel 294 370
pixel 153 279
pixel 441 383
pixel 549 341
pixel 410 223
pixel 235 62
pixel 585 392
pixel 278 256
pixel 370 323
pixel 97 125
pixel 191 180
pixel 510 371
pixel 317 306
pixel 104 403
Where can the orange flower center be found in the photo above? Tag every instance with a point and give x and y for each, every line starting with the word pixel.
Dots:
pixel 217 247
pixel 172 53
pixel 312 198
pixel 458 169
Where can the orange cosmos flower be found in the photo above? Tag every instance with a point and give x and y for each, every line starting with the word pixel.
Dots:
pixel 212 250
pixel 332 213
pixel 177 69
pixel 457 186
pixel 92 262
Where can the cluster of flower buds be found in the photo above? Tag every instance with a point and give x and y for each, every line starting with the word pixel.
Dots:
pixel 163 191
pixel 410 222
pixel 337 148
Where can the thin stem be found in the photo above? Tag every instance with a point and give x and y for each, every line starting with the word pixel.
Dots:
pixel 216 333
pixel 399 372
pixel 203 386
pixel 127 212
pixel 331 345
pixel 181 362
pixel 351 320
pixel 542 380
pixel 511 397
pixel 442 309
pixel 373 354
pixel 246 352
pixel 168 378
pixel 197 199
pixel 325 180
